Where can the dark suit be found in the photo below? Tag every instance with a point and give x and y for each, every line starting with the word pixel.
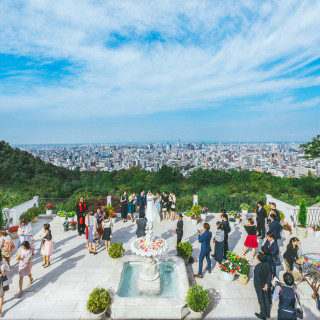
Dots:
pixel 275 227
pixel 227 229
pixel 277 215
pixel 81 214
pixel 261 221
pixel 141 227
pixel 205 239
pixel 274 253
pixel 142 202
pixel 263 276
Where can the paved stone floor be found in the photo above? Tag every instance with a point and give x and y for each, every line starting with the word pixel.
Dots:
pixel 61 291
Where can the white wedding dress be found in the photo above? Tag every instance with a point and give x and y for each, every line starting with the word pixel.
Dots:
pixel 152 214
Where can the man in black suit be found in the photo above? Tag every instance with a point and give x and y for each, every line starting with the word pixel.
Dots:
pixel 275 227
pixel 261 220
pixel 142 203
pixel 227 230
pixel 81 209
pixel 141 226
pixel 274 210
pixel 274 249
pixel 262 283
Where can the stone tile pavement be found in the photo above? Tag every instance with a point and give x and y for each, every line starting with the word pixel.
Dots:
pixel 61 291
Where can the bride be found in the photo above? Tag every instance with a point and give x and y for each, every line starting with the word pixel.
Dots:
pixel 152 214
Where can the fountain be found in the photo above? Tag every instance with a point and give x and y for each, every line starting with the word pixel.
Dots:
pixel 145 288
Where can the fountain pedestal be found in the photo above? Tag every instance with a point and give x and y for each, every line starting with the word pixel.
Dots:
pixel 149 277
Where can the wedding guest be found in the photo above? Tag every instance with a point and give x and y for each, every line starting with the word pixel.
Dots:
pixel 141 226
pixel 124 206
pixel 142 203
pixel 24 232
pixel 7 246
pixel 261 220
pixel 274 210
pixel 172 202
pixel 157 202
pixel 165 206
pixel 81 208
pixel 204 238
pixel 99 218
pixel 219 243
pixel 275 227
pixel 262 280
pixel 291 256
pixel 93 233
pixel 227 230
pixel 107 230
pixel 131 206
pixel 86 220
pixel 179 229
pixel 46 245
pixel 4 268
pixel 24 255
pixel 251 240
pixel 266 251
pixel 222 212
pixel 274 249
pixel 288 296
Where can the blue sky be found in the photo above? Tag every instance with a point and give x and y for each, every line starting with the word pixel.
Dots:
pixel 125 71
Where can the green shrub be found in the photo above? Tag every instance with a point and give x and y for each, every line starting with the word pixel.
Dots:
pixel 34 212
pixel 66 224
pixel 116 250
pixel 99 300
pixel 1 218
pixel 70 214
pixel 281 215
pixel 184 250
pixel 26 216
pixel 302 215
pixel 109 209
pixel 196 209
pixel 197 299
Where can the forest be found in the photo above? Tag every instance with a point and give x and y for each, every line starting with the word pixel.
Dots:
pixel 23 176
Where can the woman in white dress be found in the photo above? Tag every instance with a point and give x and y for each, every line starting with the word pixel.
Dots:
pixel 152 214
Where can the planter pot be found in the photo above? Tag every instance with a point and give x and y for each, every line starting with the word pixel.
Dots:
pixel 232 224
pixel 203 217
pixel 14 235
pixel 317 233
pixel 186 260
pixel 100 316
pixel 113 220
pixel 62 219
pixel 244 212
pixel 65 228
pixel 34 220
pixel 243 279
pixel 194 222
pixel 73 228
pixel 301 232
pixel 188 218
pixel 286 233
pixel 49 212
pixel 194 315
pixel 227 276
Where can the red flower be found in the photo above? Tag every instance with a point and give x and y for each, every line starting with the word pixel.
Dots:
pixel 225 268
pixel 245 267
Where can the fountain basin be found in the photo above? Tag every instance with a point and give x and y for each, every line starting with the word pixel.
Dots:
pixel 129 303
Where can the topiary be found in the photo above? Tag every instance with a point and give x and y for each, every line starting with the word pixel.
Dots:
pixel 197 299
pixel 302 215
pixel 116 250
pixel 99 300
pixel 184 250
pixel 34 212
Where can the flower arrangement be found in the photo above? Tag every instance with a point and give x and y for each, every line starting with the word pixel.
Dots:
pixel 71 214
pixel 243 266
pixel 108 209
pixel 188 213
pixel 156 244
pixel 99 300
pixel 49 206
pixel 73 223
pixel 112 215
pixel 184 250
pixel 13 229
pixel 196 210
pixel 204 210
pixel 62 214
pixel 244 206
pixel 238 216
pixel 233 214
pixel 287 227
pixel 227 267
pixel 316 228
pixel 197 298
pixel 116 250
pixel 195 217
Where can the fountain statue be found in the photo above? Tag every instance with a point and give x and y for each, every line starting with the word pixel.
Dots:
pixel 149 247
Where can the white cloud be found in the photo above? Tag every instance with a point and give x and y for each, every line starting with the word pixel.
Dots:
pixel 211 51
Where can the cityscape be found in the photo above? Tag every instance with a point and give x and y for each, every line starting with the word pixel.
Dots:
pixel 279 159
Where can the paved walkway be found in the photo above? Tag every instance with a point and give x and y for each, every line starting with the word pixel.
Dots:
pixel 61 291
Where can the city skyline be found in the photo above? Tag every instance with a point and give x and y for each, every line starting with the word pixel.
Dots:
pixel 130 72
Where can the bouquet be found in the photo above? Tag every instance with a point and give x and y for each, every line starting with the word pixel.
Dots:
pixel 49 206
pixel 13 229
pixel 244 206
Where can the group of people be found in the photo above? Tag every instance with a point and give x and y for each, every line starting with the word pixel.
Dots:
pixel 265 272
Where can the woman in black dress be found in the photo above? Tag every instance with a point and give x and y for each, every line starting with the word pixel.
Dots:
pixel 172 202
pixel 179 229
pixel 107 231
pixel 165 206
pixel 124 206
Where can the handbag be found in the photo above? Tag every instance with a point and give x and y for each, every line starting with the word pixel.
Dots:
pixel 6 280
pixel 276 260
pixel 299 311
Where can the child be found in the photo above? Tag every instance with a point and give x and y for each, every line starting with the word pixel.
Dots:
pixel 7 246
pixel 107 225
pixel 46 245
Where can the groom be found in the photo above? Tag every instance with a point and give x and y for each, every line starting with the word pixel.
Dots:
pixel 142 203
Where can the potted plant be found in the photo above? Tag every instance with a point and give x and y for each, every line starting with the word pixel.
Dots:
pixel 228 272
pixel 49 207
pixel 302 219
pixel 316 230
pixel 33 213
pixel 13 232
pixel 66 226
pixel 244 208
pixel 70 216
pixel 113 217
pixel 62 216
pixel 238 217
pixel 232 222
pixel 99 302
pixel 203 214
pixel 197 300
pixel 116 250
pixel 184 251
pixel 196 210
pixel 73 225
pixel 195 219
pixel 243 269
pixel 287 230
pixel 188 215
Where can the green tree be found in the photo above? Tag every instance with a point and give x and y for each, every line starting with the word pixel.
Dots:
pixel 1 217
pixel 302 215
pixel 312 148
